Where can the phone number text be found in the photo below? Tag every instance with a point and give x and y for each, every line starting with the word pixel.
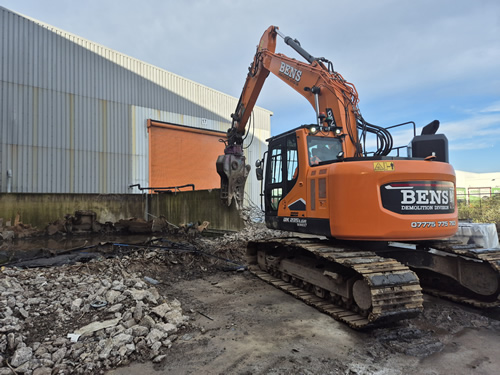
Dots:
pixel 433 224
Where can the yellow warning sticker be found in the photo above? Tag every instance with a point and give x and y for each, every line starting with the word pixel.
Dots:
pixel 383 166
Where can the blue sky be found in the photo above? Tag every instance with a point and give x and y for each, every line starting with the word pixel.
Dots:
pixel 409 60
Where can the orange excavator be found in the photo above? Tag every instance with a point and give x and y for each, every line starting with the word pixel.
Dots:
pixel 380 220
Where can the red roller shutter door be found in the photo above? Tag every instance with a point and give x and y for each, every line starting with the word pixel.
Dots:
pixel 181 155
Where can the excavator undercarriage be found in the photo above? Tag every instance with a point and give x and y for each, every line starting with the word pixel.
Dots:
pixel 354 286
pixel 366 288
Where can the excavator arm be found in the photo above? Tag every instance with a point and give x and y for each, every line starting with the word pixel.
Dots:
pixel 257 74
pixel 332 97
pixel 232 166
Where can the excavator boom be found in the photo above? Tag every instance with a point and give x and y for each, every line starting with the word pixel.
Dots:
pixel 332 97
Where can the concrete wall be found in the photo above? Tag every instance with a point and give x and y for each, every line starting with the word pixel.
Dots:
pixel 194 206
pixel 183 207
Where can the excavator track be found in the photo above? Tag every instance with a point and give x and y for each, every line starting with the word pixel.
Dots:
pixel 488 258
pixel 354 286
pixel 460 299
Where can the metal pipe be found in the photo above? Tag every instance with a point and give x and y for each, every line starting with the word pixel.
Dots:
pixel 9 180
pixel 157 189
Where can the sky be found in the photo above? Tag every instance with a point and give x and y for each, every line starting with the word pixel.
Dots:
pixel 410 60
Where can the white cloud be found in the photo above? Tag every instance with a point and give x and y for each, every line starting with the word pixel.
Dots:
pixel 468 146
pixel 494 107
pixel 479 132
pixel 473 127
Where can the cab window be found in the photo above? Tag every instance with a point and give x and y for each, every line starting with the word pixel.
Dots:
pixel 323 149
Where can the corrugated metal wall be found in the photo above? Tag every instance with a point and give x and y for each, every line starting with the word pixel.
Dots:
pixel 73 113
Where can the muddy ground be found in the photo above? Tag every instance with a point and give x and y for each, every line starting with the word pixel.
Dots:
pixel 238 324
pixel 241 325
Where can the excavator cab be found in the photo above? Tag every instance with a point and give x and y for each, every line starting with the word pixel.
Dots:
pixel 282 161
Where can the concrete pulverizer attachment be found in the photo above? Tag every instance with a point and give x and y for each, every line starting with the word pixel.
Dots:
pixel 233 172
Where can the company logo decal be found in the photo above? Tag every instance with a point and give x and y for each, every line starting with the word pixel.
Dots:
pixel 298 205
pixel 419 197
pixel 291 72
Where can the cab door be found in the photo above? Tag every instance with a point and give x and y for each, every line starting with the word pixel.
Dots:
pixel 281 171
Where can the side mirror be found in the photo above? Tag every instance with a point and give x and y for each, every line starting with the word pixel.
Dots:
pixel 260 173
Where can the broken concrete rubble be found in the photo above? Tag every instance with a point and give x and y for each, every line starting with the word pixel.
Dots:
pixel 47 323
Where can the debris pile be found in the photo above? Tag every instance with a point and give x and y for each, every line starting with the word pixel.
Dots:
pixel 83 318
pixel 252 214
pixel 86 222
pixel 249 233
pixel 18 229
pixel 94 316
pixel 233 245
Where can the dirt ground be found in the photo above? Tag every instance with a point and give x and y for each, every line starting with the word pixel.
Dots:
pixel 238 324
pixel 241 325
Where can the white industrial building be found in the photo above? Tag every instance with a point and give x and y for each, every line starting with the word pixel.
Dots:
pixel 76 117
pixel 475 186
